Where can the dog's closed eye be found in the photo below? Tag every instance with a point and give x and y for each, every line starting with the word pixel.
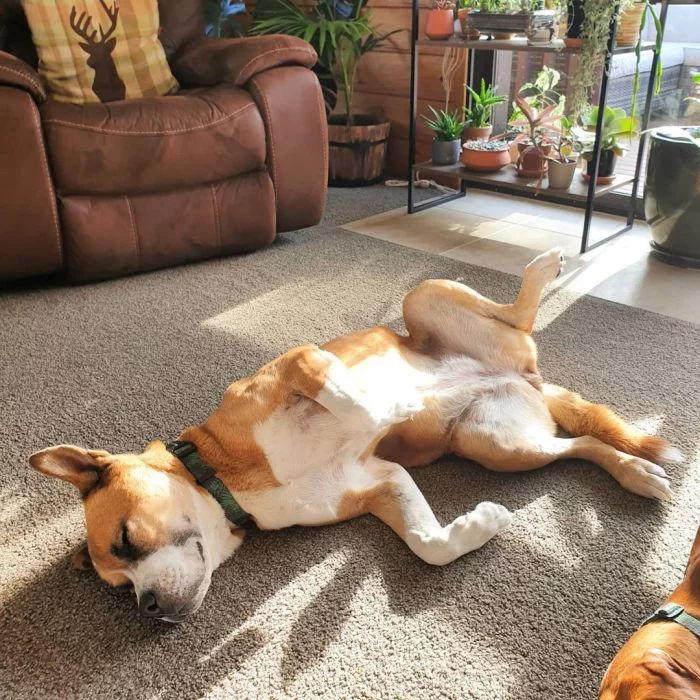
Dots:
pixel 124 549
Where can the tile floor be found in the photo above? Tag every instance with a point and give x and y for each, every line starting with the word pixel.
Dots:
pixel 504 233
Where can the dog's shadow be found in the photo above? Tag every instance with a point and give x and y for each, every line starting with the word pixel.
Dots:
pixel 67 619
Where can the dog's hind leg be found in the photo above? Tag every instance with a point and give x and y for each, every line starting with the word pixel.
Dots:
pixel 510 430
pixel 437 298
pixel 395 499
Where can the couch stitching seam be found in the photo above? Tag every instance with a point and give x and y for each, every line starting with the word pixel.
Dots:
pixel 174 132
pixel 268 133
pixel 135 231
pixel 28 78
pixel 47 175
pixel 263 55
pixel 217 221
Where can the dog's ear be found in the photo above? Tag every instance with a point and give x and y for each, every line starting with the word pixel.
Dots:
pixel 82 468
pixel 81 558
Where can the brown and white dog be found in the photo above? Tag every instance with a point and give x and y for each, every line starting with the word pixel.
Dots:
pixel 320 435
pixel 661 660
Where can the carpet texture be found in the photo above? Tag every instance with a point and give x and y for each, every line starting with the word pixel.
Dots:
pixel 344 611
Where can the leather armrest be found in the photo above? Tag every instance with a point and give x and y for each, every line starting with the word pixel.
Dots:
pixel 214 61
pixel 16 73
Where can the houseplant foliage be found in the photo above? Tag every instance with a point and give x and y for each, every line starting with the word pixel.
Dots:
pixel 595 31
pixel 478 114
pixel 341 34
pixel 617 125
pixel 537 111
pixel 221 17
pixel 447 128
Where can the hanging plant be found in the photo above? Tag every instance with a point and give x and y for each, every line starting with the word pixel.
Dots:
pixel 598 15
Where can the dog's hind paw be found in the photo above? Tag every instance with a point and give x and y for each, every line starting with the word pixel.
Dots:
pixel 646 479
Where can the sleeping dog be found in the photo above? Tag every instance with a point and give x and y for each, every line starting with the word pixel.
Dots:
pixel 324 434
pixel 661 660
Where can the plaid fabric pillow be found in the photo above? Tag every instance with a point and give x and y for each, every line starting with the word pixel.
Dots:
pixel 99 50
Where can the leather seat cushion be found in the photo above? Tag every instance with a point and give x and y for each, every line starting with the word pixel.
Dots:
pixel 154 144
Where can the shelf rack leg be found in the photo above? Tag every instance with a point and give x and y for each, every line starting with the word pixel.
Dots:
pixel 414 106
pixel 598 137
pixel 645 119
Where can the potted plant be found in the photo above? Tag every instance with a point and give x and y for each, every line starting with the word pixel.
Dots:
pixel 563 160
pixel 595 18
pixel 535 143
pixel 616 124
pixel 447 129
pixel 574 23
pixel 536 110
pixel 341 37
pixel 485 156
pixel 440 23
pixel 502 19
pixel 465 8
pixel 478 115
pixel 672 194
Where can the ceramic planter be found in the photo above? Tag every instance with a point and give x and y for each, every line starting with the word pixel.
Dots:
pixel 672 198
pixel 606 168
pixel 356 153
pixel 560 175
pixel 440 24
pixel 446 152
pixel 477 133
pixel 485 158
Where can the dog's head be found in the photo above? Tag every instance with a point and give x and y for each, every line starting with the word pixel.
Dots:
pixel 148 524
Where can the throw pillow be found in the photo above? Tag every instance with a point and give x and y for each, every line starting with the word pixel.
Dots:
pixel 99 50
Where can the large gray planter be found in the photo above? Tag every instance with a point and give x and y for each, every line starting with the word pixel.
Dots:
pixel 446 152
pixel 672 197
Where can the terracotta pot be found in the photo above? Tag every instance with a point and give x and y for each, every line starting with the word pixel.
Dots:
pixel 532 161
pixel 440 24
pixel 356 153
pixel 466 29
pixel 628 26
pixel 571 43
pixel 485 161
pixel 561 174
pixel 514 151
pixel 478 133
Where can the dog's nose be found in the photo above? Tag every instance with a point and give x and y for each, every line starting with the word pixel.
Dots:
pixel 148 605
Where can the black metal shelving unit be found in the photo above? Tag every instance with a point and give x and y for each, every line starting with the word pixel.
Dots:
pixel 506 180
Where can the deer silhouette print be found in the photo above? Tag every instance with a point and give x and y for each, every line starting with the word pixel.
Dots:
pixel 106 84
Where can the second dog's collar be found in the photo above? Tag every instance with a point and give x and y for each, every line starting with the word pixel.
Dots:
pixel 672 612
pixel 206 477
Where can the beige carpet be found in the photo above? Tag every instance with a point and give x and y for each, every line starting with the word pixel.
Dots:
pixel 344 611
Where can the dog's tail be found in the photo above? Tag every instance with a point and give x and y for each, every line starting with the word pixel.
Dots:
pixel 580 417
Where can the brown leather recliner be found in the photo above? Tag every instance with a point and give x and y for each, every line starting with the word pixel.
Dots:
pixel 101 190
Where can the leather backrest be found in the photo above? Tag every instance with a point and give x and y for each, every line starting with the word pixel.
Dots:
pixel 180 21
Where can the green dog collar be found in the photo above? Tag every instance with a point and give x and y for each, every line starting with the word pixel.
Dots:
pixel 206 477
pixel 672 612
